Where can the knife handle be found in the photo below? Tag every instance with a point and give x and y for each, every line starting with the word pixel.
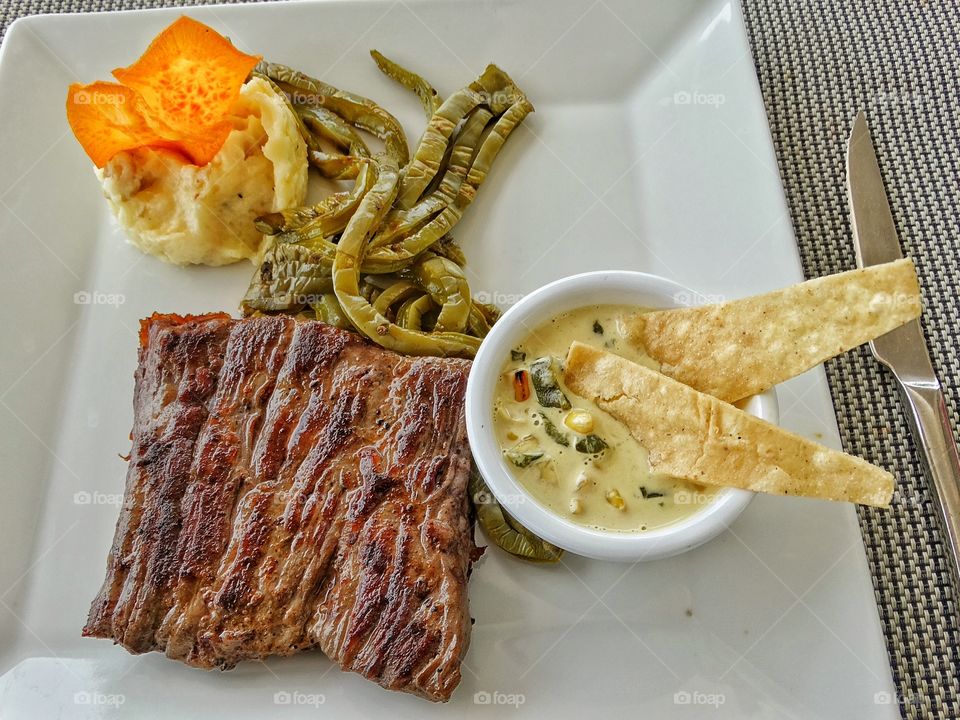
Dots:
pixel 930 423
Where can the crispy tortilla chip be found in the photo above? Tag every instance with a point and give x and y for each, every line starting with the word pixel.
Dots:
pixel 178 95
pixel 696 437
pixel 743 347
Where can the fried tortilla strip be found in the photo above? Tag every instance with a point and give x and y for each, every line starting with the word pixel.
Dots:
pixel 695 437
pixel 740 348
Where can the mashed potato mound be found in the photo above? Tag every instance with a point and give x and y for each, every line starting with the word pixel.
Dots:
pixel 186 214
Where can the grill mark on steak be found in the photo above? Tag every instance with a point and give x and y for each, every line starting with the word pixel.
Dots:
pixel 174 378
pixel 257 579
pixel 393 558
pixel 293 486
pixel 374 484
pixel 252 356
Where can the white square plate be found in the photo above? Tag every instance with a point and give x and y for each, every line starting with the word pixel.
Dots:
pixel 649 151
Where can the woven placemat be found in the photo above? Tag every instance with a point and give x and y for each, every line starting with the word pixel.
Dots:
pixel 818 63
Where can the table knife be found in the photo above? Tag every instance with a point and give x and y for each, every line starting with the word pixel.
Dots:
pixel 904 350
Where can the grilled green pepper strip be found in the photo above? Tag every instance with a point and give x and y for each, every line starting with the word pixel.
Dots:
pixel 324 219
pixel 398 292
pixel 383 281
pixel 334 166
pixel 429 97
pixel 368 290
pixel 491 313
pixel 465 148
pixel 477 324
pixel 401 222
pixel 553 432
pixel 361 111
pixel 446 247
pixel 410 314
pixel 433 145
pixel 505 532
pixel 421 240
pixel 328 310
pixel 546 552
pixel 591 444
pixel 333 128
pixel 322 123
pixel 346 279
pixel 446 283
pixel 522 459
pixel 289 277
pixel 297 217
pixel 429 154
pixel 546 386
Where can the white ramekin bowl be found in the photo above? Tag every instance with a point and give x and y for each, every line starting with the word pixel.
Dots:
pixel 594 288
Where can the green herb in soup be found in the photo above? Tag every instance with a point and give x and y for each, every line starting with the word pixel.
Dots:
pixel 571 456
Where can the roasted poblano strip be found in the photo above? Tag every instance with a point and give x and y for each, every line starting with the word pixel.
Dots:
pixel 491 313
pixel 328 310
pixel 446 219
pixel 446 247
pixel 361 111
pixel 591 444
pixel 505 532
pixel 333 165
pixel 330 126
pixel 399 291
pixel 446 283
pixel 411 313
pixel 553 432
pixel 400 223
pixel 429 97
pixel 526 452
pixel 522 459
pixel 546 385
pixel 346 280
pixel 420 218
pixel 433 145
pixel 289 278
pixel 477 323
pixel 493 88
pixel 326 218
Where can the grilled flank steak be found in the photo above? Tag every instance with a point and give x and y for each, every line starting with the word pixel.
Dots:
pixel 292 486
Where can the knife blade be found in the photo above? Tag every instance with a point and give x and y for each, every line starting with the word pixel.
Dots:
pixel 904 350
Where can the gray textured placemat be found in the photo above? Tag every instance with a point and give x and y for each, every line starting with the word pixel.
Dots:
pixel 818 63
